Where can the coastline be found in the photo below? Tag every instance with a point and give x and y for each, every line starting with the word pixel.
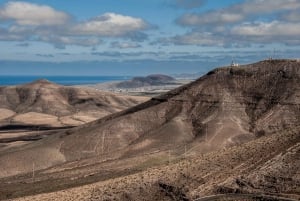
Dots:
pixel 100 83
pixel 150 91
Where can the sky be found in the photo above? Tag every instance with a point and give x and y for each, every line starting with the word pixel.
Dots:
pixel 135 37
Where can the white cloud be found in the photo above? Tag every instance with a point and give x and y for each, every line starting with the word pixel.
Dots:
pixel 61 41
pixel 263 6
pixel 243 24
pixel 238 12
pixel 242 35
pixel 125 45
pixel 110 24
pixel 197 38
pixel 32 22
pixel 213 17
pixel 275 28
pixel 32 14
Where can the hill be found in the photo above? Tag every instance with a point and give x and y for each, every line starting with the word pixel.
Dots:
pixel 264 169
pixel 150 80
pixel 48 104
pixel 234 130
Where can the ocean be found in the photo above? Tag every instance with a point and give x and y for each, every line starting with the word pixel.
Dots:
pixel 62 80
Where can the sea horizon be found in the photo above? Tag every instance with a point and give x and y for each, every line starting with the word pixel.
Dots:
pixel 67 80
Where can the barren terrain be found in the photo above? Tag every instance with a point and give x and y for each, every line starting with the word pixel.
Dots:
pixel 232 131
pixel 43 102
pixel 29 112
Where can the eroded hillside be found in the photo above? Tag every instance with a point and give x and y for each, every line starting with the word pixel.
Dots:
pixel 49 104
pixel 216 115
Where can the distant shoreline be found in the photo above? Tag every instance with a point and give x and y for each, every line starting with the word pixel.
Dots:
pixel 149 91
pixel 12 80
pixel 101 83
pixel 8 80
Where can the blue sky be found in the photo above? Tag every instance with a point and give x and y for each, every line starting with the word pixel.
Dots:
pixel 134 37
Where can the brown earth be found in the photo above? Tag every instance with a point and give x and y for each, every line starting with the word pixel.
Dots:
pixel 46 103
pixel 264 169
pixel 234 130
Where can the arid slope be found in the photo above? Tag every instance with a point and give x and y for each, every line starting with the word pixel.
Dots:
pixel 257 103
pixel 49 104
pixel 267 168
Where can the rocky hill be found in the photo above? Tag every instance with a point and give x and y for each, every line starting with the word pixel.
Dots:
pixel 150 80
pixel 49 104
pixel 234 130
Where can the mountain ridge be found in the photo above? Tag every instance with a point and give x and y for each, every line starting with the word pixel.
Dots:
pixel 222 110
